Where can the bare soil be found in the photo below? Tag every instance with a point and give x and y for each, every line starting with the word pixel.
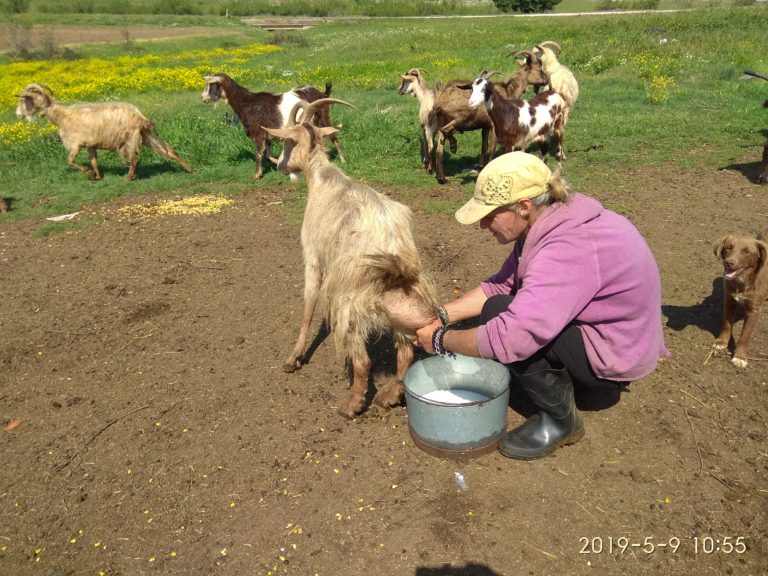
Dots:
pixel 149 428
pixel 159 435
pixel 35 38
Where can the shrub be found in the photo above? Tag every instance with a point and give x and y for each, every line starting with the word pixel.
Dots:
pixel 525 6
pixel 14 6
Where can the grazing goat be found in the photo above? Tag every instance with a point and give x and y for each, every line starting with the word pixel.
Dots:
pixel 561 79
pixel 518 123
pixel 452 112
pixel 762 177
pixel 101 126
pixel 260 110
pixel 413 83
pixel 359 255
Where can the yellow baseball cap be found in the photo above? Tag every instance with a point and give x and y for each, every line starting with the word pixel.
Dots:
pixel 504 181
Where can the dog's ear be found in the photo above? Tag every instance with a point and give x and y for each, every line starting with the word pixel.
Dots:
pixel 762 254
pixel 717 247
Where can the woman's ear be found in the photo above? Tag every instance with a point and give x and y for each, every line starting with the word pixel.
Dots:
pixel 524 207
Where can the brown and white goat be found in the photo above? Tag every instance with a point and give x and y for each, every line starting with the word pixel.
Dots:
pixel 518 123
pixel 561 79
pixel 259 110
pixel 359 256
pixel 452 112
pixel 100 126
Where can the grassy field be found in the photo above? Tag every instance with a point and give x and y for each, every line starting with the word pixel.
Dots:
pixel 655 88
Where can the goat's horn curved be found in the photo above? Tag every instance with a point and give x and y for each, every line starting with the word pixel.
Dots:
pixel 312 109
pixel 300 105
pixel 40 88
pixel 485 74
pixel 518 52
pixel 551 43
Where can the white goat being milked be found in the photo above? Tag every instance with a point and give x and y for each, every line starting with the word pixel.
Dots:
pixel 99 126
pixel 359 257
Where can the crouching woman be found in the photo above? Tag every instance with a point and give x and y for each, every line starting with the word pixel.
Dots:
pixel 577 300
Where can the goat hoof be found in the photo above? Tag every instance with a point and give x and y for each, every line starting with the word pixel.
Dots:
pixel 719 345
pixel 291 366
pixel 392 396
pixel 351 408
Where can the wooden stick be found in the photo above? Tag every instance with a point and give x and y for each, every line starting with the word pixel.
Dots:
pixel 697 400
pixel 539 550
pixel 76 454
pixel 695 443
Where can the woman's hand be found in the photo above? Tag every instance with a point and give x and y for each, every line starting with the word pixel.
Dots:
pixel 424 336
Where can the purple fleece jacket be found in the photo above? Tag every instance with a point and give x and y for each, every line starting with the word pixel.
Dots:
pixel 584 264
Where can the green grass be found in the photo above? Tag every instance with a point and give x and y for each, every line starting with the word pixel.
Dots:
pixel 706 119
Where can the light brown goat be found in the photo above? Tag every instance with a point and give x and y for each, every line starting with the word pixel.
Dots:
pixel 102 126
pixel 561 79
pixel 359 256
pixel 414 83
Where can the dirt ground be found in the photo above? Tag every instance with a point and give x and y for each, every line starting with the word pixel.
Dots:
pixel 149 428
pixel 159 435
pixel 35 38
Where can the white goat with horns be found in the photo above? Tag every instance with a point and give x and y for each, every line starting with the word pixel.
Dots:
pixel 359 255
pixel 100 126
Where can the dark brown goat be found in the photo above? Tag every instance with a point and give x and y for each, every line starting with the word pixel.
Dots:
pixel 260 110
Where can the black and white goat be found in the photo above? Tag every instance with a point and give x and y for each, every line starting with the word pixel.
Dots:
pixel 359 256
pixel 260 110
pixel 518 123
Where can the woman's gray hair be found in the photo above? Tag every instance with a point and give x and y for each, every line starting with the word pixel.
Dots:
pixel 557 191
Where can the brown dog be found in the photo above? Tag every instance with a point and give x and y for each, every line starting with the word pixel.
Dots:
pixel 745 282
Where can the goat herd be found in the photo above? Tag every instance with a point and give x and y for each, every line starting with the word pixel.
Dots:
pixel 357 243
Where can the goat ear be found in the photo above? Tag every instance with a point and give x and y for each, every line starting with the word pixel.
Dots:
pixel 281 133
pixel 327 131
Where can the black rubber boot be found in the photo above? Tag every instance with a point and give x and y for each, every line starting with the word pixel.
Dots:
pixel 558 423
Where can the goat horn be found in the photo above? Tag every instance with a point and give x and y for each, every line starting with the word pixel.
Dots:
pixel 518 52
pixel 312 109
pixel 40 88
pixel 301 104
pixel 755 74
pixel 485 74
pixel 555 45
